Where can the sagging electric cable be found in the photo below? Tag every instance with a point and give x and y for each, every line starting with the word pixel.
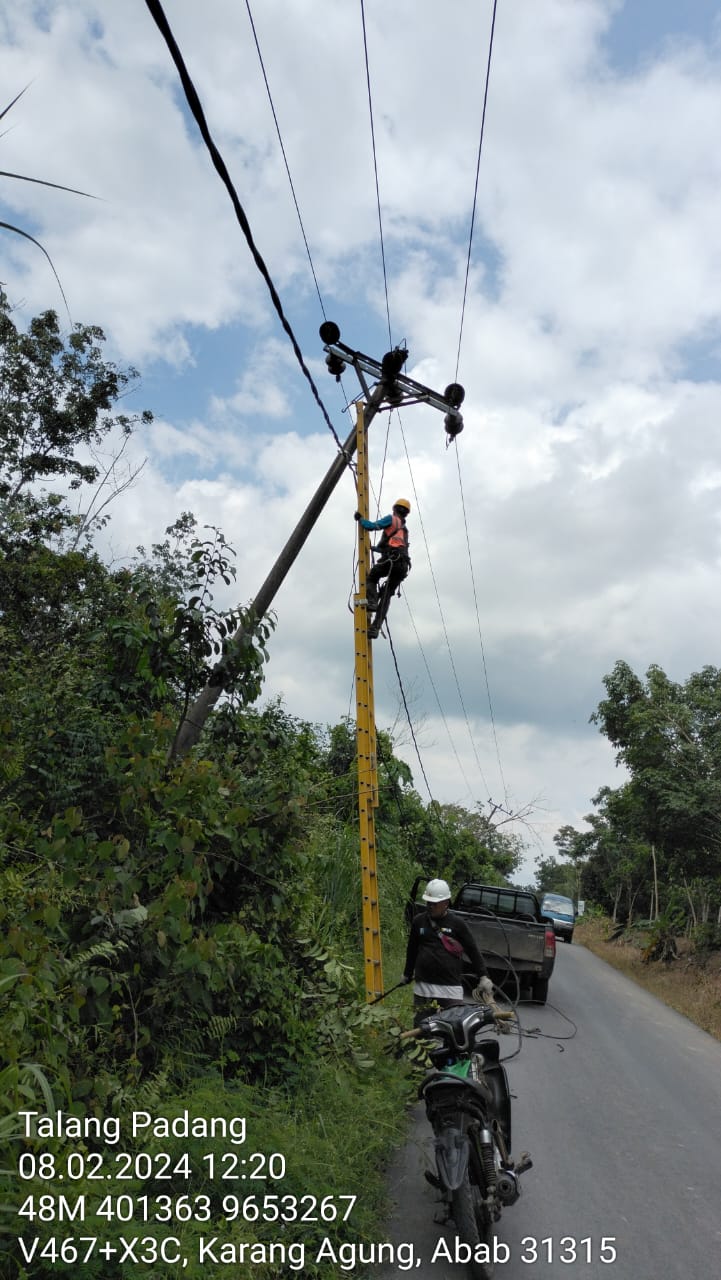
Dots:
pixel 285 158
pixel 156 11
pixel 375 167
pixel 480 632
pixel 290 181
pixel 535 1033
pixel 475 190
pixel 443 620
pixel 408 717
pixel 441 712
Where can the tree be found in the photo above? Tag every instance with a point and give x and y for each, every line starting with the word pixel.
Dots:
pixel 617 867
pixel 657 838
pixel 669 737
pixel 574 846
pixel 476 849
pixel 554 877
pixel 57 402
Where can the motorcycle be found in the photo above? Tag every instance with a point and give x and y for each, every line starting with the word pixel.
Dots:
pixel 468 1104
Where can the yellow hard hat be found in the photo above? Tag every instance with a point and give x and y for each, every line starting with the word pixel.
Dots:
pixel 402 502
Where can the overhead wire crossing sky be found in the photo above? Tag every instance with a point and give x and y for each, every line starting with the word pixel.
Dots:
pixel 193 100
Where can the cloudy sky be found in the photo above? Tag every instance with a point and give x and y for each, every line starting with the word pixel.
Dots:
pixel 589 468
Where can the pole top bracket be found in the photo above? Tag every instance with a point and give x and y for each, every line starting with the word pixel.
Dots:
pixel 392 387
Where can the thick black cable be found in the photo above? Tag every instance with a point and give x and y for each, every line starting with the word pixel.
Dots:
pixel 475 190
pixel 156 12
pixel 375 168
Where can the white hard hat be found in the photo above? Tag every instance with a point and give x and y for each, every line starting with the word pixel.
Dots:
pixel 436 891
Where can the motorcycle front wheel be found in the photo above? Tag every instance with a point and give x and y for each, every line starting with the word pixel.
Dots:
pixel 474 1228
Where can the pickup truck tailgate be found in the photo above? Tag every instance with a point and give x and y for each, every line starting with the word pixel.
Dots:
pixel 523 944
pixel 505 923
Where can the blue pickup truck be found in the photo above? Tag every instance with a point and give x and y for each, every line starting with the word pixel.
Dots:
pixel 562 912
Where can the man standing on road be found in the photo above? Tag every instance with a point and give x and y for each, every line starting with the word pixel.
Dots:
pixel 434 958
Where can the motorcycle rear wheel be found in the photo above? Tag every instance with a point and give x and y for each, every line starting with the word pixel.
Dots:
pixel 473 1227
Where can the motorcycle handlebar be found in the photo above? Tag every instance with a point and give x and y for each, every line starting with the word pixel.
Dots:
pixel 500 1015
pixel 410 1035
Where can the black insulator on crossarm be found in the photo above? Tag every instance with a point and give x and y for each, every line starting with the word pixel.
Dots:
pixel 455 394
pixel 453 423
pixel 336 366
pixel 392 363
pixel 329 332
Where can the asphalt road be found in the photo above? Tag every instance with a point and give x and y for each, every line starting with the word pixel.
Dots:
pixel 623 1123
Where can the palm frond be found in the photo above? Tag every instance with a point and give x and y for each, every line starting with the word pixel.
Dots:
pixel 10 105
pixel 8 226
pixel 22 177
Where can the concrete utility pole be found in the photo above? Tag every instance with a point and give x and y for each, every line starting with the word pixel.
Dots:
pixel 391 390
pixel 191 728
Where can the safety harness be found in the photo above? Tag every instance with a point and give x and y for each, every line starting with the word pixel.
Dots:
pixel 395 537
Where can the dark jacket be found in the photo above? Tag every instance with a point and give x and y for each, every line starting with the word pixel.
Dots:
pixel 427 960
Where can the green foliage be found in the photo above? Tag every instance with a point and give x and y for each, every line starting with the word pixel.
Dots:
pixel 324 1148
pixel 554 877
pixel 180 927
pixel 669 737
pixel 653 847
pixel 706 937
pixel 58 397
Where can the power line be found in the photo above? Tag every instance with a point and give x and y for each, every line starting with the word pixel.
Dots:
pixel 475 190
pixel 480 633
pixel 375 167
pixel 291 184
pixel 442 617
pixel 156 12
pixel 285 158
pixel 383 464
pixel 442 713
pixel 408 714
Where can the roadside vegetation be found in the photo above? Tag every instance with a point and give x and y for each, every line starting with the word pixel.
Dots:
pixel 649 861
pixel 183 933
pixel 177 933
pixel 690 982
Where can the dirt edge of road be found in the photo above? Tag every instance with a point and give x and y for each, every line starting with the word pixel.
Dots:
pixel 690 984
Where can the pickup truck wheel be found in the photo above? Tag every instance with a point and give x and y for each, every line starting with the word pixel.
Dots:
pixel 540 990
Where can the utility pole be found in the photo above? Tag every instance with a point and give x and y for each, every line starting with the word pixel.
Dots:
pixel 391 390
pixel 383 386
pixel 197 714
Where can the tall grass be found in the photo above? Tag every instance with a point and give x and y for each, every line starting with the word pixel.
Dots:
pixel 690 985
